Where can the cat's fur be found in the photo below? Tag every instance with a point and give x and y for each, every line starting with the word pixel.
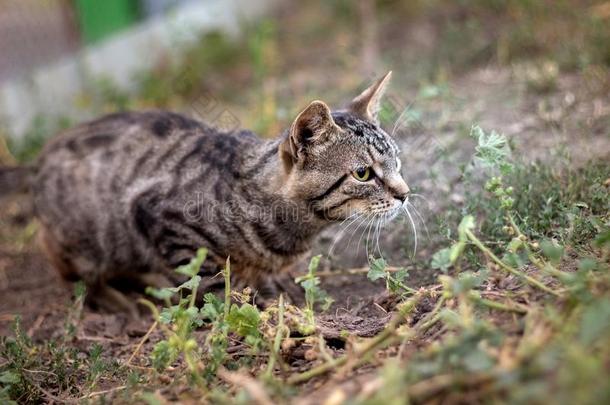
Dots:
pixel 139 192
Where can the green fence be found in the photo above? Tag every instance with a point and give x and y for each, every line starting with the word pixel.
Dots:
pixel 99 19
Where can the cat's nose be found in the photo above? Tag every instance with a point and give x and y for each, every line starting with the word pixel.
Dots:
pixel 400 189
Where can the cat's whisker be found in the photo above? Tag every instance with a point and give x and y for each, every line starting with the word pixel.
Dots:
pixel 375 233
pixel 379 226
pixel 370 221
pixel 347 219
pixel 363 219
pixel 351 218
pixel 354 218
pixel 366 227
pixel 406 209
pixel 421 219
pixel 373 223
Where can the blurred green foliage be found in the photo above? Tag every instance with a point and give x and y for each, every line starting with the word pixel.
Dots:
pixel 244 71
pixel 574 33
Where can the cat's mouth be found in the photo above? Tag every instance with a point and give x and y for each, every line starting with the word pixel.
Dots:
pixel 366 225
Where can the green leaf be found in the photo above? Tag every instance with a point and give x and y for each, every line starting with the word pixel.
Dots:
pixel 306 329
pixel 450 317
pixel 514 260
pixel 476 360
pixel 587 264
pixel 160 294
pixel 162 355
pixel 314 263
pixel 193 315
pixel 515 244
pixel 603 239
pixel 167 315
pixel 552 250
pixel 441 260
pixel 466 281
pixel 80 289
pixel 191 284
pixel 595 322
pixel 326 302
pixel 377 269
pixel 492 150
pixel 191 269
pixel 151 398
pixel 310 283
pixel 476 132
pixel 213 307
pixel 393 285
pixel 401 274
pixel 467 224
pixel 244 320
pixel 9 377
pixel 456 251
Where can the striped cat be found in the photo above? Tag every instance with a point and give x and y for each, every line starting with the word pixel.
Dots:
pixel 137 193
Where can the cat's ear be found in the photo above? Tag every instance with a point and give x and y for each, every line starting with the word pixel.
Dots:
pixel 368 104
pixel 313 125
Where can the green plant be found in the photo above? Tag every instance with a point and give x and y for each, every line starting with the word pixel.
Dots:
pixel 178 321
pixel 491 154
pixel 394 281
pixel 313 294
pixel 227 320
pixel 545 200
pixel 54 370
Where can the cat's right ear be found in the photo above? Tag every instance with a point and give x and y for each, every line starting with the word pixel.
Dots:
pixel 368 104
pixel 312 126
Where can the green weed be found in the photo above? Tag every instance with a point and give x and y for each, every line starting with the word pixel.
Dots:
pixel 378 270
pixel 54 370
pixel 547 200
pixel 313 295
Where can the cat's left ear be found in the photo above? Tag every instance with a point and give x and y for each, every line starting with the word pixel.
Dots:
pixel 311 127
pixel 368 104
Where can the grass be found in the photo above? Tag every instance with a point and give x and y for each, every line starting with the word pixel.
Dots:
pixel 35 370
pixel 475 31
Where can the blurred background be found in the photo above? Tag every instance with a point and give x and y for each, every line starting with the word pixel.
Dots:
pixel 535 70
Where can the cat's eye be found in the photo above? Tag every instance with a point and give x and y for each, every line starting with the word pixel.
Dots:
pixel 362 174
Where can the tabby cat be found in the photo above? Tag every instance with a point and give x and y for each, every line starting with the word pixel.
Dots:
pixel 137 193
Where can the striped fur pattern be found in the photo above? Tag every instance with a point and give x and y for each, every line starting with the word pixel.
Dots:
pixel 140 192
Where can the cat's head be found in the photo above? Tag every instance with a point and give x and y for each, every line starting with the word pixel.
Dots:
pixel 343 163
